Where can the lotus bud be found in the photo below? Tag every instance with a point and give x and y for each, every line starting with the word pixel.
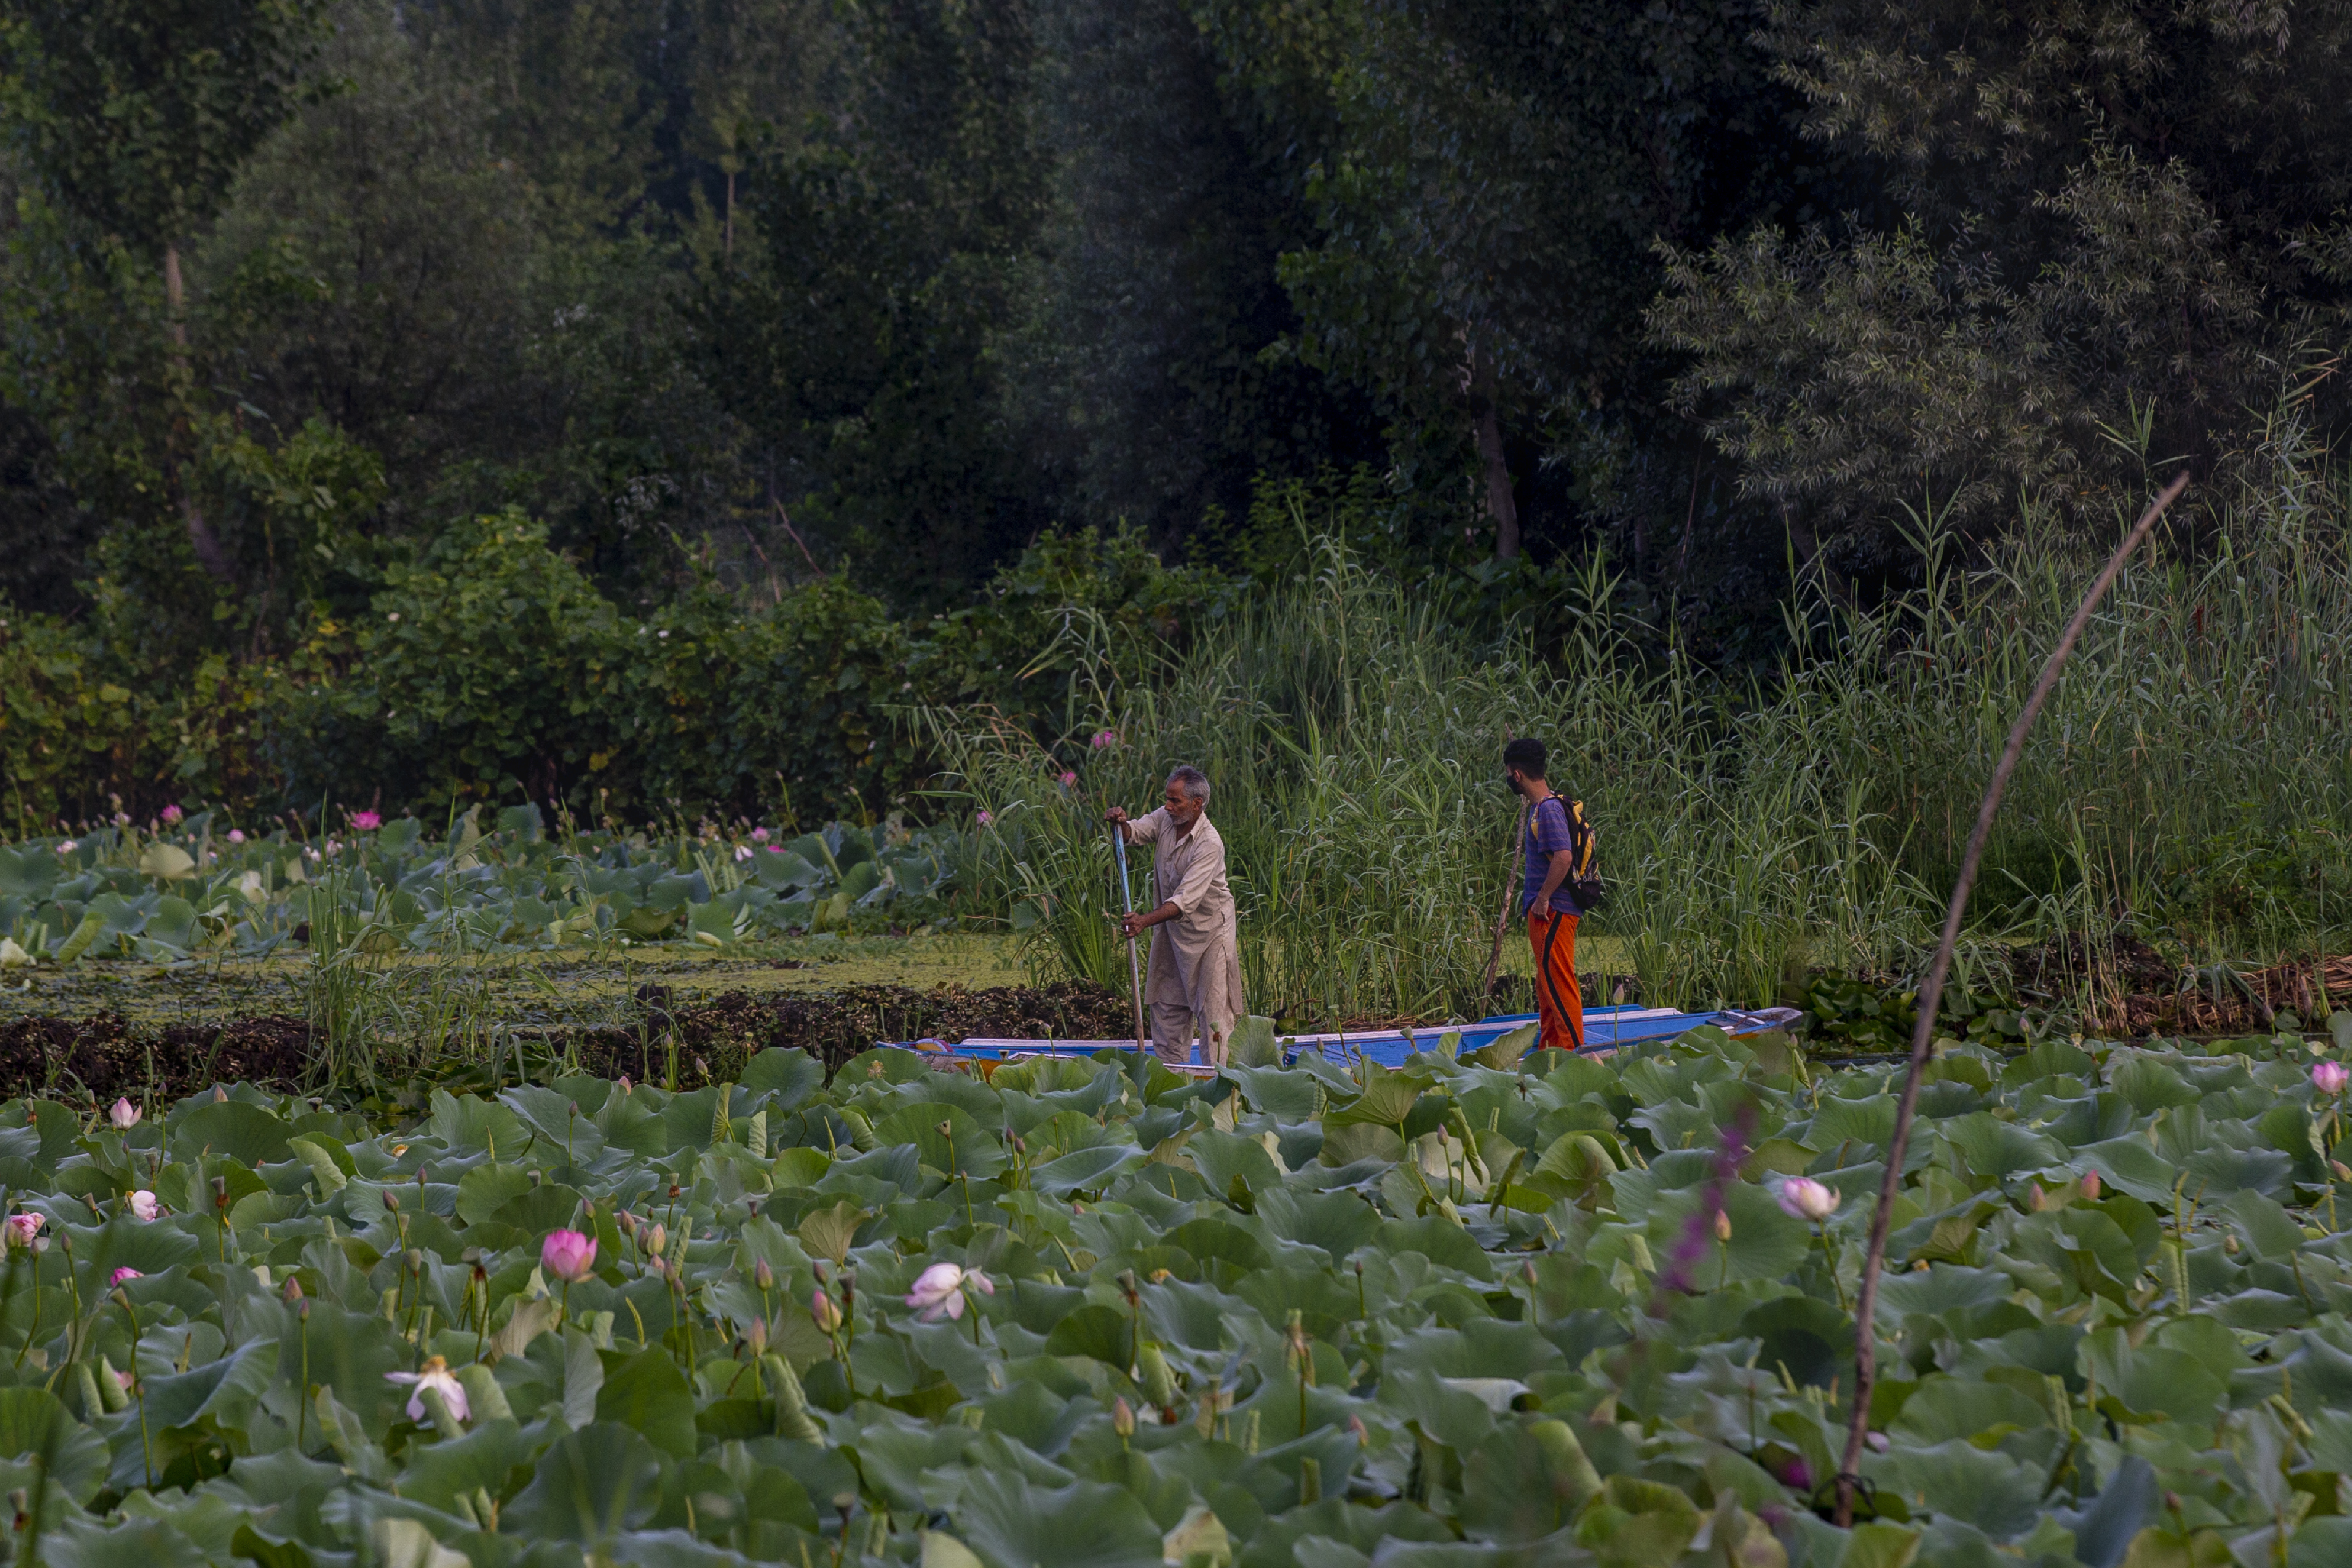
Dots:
pixel 293 1291
pixel 1801 1198
pixel 763 1275
pixel 568 1255
pixel 391 1199
pixel 758 1337
pixel 628 1223
pixel 2091 1185
pixel 2230 1246
pixel 1122 1418
pixel 657 1240
pixel 2038 1200
pixel 826 1316
pixel 123 1116
pixel 819 1267
pixel 1722 1226
pixel 2343 1171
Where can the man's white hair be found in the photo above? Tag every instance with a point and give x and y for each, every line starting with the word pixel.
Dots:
pixel 1191 781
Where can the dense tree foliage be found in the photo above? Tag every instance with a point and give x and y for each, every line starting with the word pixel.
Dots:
pixel 2113 232
pixel 734 296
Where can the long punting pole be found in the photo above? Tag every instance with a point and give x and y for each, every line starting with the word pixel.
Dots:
pixel 1127 896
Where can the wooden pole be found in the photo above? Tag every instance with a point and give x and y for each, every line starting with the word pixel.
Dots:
pixel 1127 896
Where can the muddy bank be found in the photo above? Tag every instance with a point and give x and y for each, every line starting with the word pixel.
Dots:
pixel 103 1055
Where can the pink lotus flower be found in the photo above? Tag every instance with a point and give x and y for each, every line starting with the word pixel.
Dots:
pixel 365 821
pixel 144 1205
pixel 67 847
pixel 568 1254
pixel 758 835
pixel 22 1229
pixel 120 1274
pixel 123 1115
pixel 237 835
pixel 742 851
pixel 438 1377
pixel 939 1291
pixel 173 814
pixel 775 848
pixel 1801 1198
pixel 2329 1078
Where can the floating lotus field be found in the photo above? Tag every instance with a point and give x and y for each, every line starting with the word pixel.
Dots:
pixel 1090 1312
pixel 195 888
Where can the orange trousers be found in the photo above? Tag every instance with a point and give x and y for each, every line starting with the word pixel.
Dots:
pixel 1559 1000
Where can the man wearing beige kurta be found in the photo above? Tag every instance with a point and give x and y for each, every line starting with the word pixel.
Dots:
pixel 1196 971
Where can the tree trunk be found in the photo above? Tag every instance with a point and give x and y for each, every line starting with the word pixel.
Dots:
pixel 1501 506
pixel 728 250
pixel 201 538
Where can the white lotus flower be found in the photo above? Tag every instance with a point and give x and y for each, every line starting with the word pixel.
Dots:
pixel 1801 1198
pixel 436 1376
pixel 939 1291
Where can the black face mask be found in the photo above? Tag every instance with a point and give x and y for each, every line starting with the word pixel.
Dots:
pixel 1510 788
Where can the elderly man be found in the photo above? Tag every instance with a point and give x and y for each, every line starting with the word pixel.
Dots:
pixel 1196 971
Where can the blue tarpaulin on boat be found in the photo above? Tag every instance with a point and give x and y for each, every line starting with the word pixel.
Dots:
pixel 1605 1028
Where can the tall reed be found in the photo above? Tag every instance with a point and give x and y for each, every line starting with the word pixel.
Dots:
pixel 2190 785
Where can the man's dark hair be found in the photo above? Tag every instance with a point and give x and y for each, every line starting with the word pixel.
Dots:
pixel 1527 755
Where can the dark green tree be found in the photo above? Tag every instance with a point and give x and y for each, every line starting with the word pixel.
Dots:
pixel 2111 230
pixel 852 343
pixel 133 117
pixel 1487 183
pixel 1138 370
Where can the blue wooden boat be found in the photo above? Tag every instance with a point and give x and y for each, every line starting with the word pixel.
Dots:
pixel 1605 1029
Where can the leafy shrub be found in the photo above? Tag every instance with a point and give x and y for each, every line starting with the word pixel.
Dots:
pixel 482 665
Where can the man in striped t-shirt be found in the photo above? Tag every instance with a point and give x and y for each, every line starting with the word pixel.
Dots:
pixel 1551 911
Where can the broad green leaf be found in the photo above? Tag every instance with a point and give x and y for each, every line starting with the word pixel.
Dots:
pixel 827 1231
pixel 589 1485
pixel 648 1395
pixel 35 1423
pixel 1012 1523
pixel 245 1132
pixel 1525 1481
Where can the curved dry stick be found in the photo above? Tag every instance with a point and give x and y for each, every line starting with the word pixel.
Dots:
pixel 1923 1036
